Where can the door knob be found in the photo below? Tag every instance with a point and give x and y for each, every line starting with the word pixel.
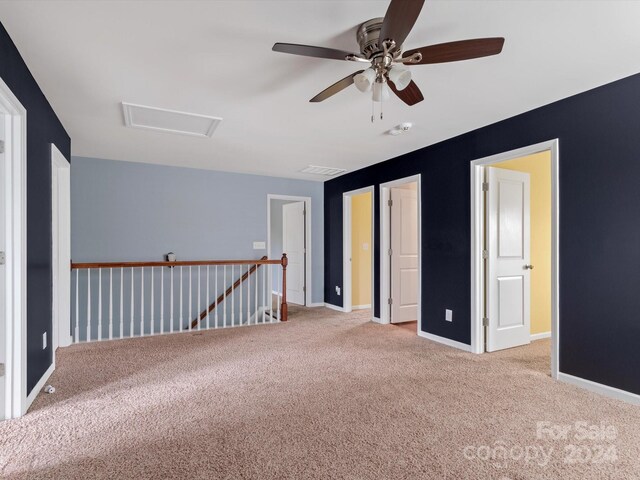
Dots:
pixel 528 267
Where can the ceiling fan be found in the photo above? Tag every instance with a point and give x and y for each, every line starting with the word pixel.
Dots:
pixel 381 41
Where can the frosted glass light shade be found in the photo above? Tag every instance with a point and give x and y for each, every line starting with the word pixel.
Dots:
pixel 380 92
pixel 365 79
pixel 400 77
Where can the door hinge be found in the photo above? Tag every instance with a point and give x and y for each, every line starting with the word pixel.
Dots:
pixel 390 203
pixel 485 186
pixel 485 254
pixel 485 322
pixel 390 302
pixel 1 146
pixel 390 252
pixel 3 258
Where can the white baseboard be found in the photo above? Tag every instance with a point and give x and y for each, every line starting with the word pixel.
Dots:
pixel 316 304
pixel 361 307
pixel 445 341
pixel 378 320
pixel 334 307
pixel 39 386
pixel 540 336
pixel 600 388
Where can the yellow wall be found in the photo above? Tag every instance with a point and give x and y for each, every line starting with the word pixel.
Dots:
pixel 361 249
pixel 539 168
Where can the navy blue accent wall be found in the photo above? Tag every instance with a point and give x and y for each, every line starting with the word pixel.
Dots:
pixel 43 129
pixel 599 226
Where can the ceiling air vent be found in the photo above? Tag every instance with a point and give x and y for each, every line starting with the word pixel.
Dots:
pixel 170 121
pixel 326 171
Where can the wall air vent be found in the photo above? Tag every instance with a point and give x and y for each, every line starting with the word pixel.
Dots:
pixel 170 121
pixel 326 171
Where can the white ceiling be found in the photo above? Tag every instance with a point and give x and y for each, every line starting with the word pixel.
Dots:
pixel 215 58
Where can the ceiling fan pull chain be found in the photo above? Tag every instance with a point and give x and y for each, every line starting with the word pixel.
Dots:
pixel 372 109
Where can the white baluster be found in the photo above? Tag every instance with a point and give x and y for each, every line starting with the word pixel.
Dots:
pixel 152 320
pixel 181 319
pixel 264 289
pixel 198 304
pixel 111 304
pixel 171 301
pixel 278 292
pixel 77 332
pixel 99 304
pixel 190 298
pixel 248 294
pixel 132 306
pixel 224 285
pixel 255 304
pixel 121 302
pixel 88 304
pixel 216 296
pixel 233 304
pixel 161 300
pixel 142 301
pixel 208 326
pixel 240 300
pixel 270 293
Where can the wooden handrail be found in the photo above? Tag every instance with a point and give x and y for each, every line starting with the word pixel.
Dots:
pixel 236 284
pixel 187 263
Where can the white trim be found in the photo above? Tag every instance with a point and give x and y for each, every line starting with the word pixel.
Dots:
pixel 377 320
pixel 316 305
pixel 61 271
pixel 540 336
pixel 39 386
pixel 477 232
pixel 308 222
pixel 360 307
pixel 599 388
pixel 334 307
pixel 15 269
pixel 385 228
pixel 445 341
pixel 347 273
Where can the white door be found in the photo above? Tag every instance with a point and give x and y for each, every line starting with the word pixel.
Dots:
pixel 293 244
pixel 508 291
pixel 3 272
pixel 404 255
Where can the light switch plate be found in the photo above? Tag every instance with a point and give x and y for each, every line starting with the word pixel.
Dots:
pixel 365 246
pixel 259 245
pixel 44 340
pixel 448 315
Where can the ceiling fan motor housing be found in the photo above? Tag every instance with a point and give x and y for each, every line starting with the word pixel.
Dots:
pixel 368 35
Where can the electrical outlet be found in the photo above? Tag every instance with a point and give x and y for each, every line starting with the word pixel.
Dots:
pixel 338 290
pixel 448 315
pixel 44 340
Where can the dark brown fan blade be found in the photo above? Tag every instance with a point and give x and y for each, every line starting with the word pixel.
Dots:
pixel 410 95
pixel 400 18
pixel 335 88
pixel 311 51
pixel 454 51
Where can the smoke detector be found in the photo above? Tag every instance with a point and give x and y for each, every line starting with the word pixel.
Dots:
pixel 401 128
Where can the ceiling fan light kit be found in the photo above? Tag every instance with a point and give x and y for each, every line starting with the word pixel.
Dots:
pixel 381 46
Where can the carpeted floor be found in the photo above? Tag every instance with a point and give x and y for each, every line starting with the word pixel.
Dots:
pixel 326 395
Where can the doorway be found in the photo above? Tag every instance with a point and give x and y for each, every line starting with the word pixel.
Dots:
pixel 13 245
pixel 60 249
pixel 289 231
pixel 357 250
pixel 514 249
pixel 400 254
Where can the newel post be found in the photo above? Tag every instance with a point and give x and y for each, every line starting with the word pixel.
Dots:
pixel 283 307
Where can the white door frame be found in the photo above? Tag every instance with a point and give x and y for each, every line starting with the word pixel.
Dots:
pixel 477 234
pixel 15 269
pixel 385 245
pixel 60 244
pixel 347 274
pixel 308 221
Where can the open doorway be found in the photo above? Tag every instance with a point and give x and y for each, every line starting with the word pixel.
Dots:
pixel 400 255
pixel 357 249
pixel 515 260
pixel 289 231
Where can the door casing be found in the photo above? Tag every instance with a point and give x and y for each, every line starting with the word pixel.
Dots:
pixel 477 234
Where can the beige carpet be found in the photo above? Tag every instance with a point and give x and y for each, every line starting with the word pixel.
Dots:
pixel 326 395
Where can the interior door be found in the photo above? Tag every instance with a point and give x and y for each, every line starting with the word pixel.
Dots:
pixel 508 269
pixel 293 244
pixel 404 255
pixel 3 272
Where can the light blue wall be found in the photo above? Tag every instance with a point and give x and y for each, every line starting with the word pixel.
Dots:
pixel 124 211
